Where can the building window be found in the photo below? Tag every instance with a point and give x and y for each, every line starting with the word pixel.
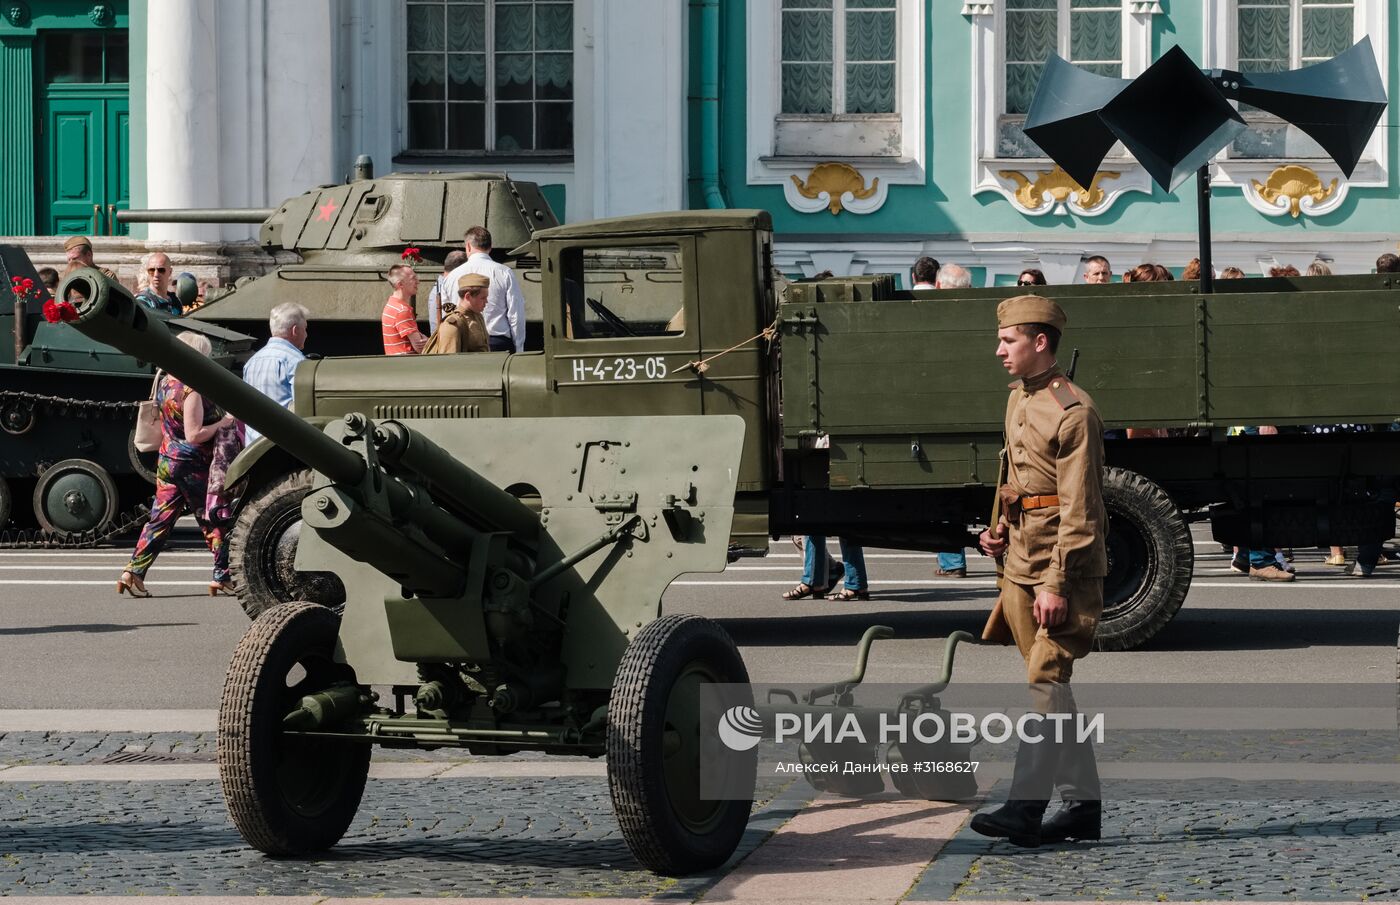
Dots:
pixel 838 56
pixel 1276 35
pixel 1088 33
pixel 490 76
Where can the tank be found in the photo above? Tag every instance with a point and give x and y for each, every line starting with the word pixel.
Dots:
pixel 349 235
pixel 69 474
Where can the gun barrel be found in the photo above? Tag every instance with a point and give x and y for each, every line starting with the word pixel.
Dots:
pixel 190 215
pixel 108 314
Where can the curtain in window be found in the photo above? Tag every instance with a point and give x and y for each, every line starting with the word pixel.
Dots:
pixel 1096 35
pixel 1263 28
pixel 807 54
pixel 870 54
pixel 1327 31
pixel 1032 28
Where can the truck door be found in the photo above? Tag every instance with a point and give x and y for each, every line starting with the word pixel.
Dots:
pixel 626 327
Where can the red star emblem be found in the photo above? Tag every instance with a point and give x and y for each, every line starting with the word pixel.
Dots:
pixel 326 210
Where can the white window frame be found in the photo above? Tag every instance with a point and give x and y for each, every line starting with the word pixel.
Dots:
pixel 490 102
pixel 1221 42
pixel 988 20
pixel 765 167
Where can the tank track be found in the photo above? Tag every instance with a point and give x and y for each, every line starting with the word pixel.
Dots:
pixel 82 408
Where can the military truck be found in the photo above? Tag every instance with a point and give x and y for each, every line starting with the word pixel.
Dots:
pixel 671 314
pixel 69 473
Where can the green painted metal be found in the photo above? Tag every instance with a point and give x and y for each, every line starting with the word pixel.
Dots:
pixel 17 135
pixel 444 565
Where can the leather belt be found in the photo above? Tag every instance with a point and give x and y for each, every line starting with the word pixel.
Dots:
pixel 1039 502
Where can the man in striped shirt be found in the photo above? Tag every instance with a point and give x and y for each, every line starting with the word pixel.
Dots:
pixel 399 322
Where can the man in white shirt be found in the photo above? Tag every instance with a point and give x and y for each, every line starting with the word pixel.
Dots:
pixel 925 273
pixel 505 304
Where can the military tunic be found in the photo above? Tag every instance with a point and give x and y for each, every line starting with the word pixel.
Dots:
pixel 461 331
pixel 1054 444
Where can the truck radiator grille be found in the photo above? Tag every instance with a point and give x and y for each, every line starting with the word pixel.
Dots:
pixel 427 410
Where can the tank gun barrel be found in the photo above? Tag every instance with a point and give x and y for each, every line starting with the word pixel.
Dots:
pixel 109 314
pixel 189 215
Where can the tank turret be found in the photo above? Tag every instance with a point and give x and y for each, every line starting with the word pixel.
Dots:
pixel 349 235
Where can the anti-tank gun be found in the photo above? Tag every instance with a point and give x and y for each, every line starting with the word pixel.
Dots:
pixel 497 628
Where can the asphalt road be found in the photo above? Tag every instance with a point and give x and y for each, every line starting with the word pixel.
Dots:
pixel 67 641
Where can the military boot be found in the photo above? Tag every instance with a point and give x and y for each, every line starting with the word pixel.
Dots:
pixel 1018 820
pixel 1081 814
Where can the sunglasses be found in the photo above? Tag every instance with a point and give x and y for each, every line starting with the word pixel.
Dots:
pixel 1026 283
pixel 157 269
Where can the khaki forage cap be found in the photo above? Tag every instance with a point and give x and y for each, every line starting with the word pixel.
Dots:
pixel 1030 309
pixel 74 241
pixel 474 281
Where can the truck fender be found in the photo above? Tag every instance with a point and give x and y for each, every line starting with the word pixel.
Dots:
pixel 253 456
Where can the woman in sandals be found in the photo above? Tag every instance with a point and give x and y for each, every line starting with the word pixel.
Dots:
pixel 187 429
pixel 815 572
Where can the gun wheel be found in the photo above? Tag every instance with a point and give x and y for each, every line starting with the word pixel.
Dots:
pixel 262 551
pixel 654 746
pixel 286 795
pixel 1150 558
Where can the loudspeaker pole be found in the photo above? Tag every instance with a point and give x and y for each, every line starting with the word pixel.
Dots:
pixel 1203 217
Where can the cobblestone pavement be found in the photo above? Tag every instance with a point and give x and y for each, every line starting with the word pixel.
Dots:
pixel 537 837
pixel 1317 850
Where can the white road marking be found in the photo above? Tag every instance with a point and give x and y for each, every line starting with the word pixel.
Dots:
pixel 496 769
pixel 1334 584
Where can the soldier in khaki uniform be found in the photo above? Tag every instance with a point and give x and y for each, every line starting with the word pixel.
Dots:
pixel 78 251
pixel 1052 536
pixel 462 328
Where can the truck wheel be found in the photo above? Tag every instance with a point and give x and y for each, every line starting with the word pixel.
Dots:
pixel 75 497
pixel 6 502
pixel 262 551
pixel 654 746
pixel 286 795
pixel 1150 558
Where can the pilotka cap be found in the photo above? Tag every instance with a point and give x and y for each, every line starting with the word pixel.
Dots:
pixel 473 281
pixel 73 242
pixel 1030 309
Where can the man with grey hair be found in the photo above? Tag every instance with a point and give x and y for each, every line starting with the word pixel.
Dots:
pixel 953 276
pixel 157 294
pixel 271 369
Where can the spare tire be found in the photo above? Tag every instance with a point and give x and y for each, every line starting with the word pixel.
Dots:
pixel 262 550
pixel 1150 560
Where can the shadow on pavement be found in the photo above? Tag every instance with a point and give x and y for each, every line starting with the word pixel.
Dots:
pixel 91 628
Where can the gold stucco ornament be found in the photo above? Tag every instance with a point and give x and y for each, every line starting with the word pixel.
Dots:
pixel 835 180
pixel 1294 182
pixel 1056 187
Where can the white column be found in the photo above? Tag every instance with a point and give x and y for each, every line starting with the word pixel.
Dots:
pixel 182 114
pixel 301 97
pixel 634 148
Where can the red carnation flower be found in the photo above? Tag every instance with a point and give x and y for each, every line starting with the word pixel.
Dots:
pixel 67 313
pixel 51 312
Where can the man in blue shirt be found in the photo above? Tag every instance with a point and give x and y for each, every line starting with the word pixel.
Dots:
pixel 272 367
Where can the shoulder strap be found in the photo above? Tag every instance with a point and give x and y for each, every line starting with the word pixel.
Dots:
pixel 1064 394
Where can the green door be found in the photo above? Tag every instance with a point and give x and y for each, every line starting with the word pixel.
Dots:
pixel 84 133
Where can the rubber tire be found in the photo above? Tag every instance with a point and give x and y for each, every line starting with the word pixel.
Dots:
pixel 253 754
pixel 7 502
pixel 142 464
pixel 653 661
pixel 261 520
pixel 109 487
pixel 1152 527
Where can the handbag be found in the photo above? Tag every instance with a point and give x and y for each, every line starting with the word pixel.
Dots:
pixel 147 436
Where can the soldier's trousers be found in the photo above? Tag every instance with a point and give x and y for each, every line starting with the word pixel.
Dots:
pixel 1050 652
